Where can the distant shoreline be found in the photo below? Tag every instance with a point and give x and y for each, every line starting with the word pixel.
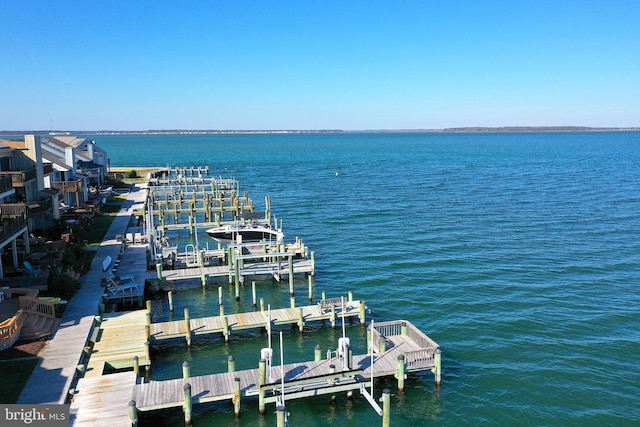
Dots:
pixel 326 131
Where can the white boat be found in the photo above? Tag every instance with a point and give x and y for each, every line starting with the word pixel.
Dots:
pixel 244 232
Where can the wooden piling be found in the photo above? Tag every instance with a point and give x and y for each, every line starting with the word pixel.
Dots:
pixel 136 366
pixel 133 413
pixel 227 332
pixel 386 407
pixel 236 396
pixel 318 353
pixel 437 369
pixel 262 380
pixel 187 322
pixel 310 288
pixel 280 416
pixel 187 405
pixel 253 293
pixel 361 316
pixel 219 295
pixel 300 320
pixel 290 259
pixel 170 295
pixel 231 364
pixel 401 375
pixel 147 352
pixel 186 370
pixel 159 270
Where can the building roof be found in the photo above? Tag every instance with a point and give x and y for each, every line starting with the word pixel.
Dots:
pixel 70 141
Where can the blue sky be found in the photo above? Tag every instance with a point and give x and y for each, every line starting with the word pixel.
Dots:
pixel 137 65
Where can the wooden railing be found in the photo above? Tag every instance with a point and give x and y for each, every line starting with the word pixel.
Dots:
pixel 424 357
pixel 10 226
pixel 18 178
pixel 12 210
pixel 67 186
pixel 10 330
pixel 6 183
pixel 36 306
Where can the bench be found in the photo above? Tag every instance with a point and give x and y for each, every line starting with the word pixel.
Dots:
pixel 326 304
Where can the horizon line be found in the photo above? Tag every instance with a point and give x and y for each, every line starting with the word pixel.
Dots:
pixel 414 130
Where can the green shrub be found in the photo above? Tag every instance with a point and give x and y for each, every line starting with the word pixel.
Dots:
pixel 131 174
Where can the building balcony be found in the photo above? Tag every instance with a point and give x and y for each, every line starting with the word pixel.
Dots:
pixel 10 226
pixel 28 209
pixel 18 178
pixel 6 183
pixel 67 186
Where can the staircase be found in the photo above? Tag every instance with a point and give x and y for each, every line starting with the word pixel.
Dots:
pixel 39 318
pixel 37 326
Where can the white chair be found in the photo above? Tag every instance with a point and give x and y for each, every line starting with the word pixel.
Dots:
pixel 121 289
pixel 1 296
pixel 123 278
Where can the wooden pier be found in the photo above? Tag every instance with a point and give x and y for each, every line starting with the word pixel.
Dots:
pixel 326 310
pixel 116 340
pixel 396 348
pixel 120 341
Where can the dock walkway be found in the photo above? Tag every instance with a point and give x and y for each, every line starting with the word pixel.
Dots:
pixel 258 319
pixel 53 376
pixel 301 379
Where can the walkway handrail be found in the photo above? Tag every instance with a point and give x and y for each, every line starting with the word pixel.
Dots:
pixel 36 306
pixel 10 330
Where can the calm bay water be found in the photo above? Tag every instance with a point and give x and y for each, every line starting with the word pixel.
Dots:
pixel 519 253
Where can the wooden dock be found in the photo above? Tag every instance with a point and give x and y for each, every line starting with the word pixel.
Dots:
pixel 403 349
pixel 102 401
pixel 327 310
pixel 116 341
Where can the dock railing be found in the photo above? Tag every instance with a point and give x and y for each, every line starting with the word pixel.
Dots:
pixel 422 358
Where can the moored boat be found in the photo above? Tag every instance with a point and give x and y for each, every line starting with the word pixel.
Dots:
pixel 244 232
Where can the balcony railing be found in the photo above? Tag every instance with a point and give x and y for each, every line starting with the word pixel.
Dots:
pixel 90 172
pixel 8 227
pixel 67 186
pixel 6 183
pixel 18 178
pixel 13 210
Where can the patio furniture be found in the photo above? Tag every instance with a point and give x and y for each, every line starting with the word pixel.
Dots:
pixel 33 271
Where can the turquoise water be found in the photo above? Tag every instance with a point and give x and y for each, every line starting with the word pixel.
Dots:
pixel 519 253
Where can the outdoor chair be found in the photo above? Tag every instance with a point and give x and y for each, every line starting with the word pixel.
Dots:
pixel 120 289
pixel 31 270
pixel 123 278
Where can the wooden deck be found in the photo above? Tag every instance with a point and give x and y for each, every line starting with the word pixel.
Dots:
pixel 256 319
pixel 102 401
pixel 301 379
pixel 121 337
